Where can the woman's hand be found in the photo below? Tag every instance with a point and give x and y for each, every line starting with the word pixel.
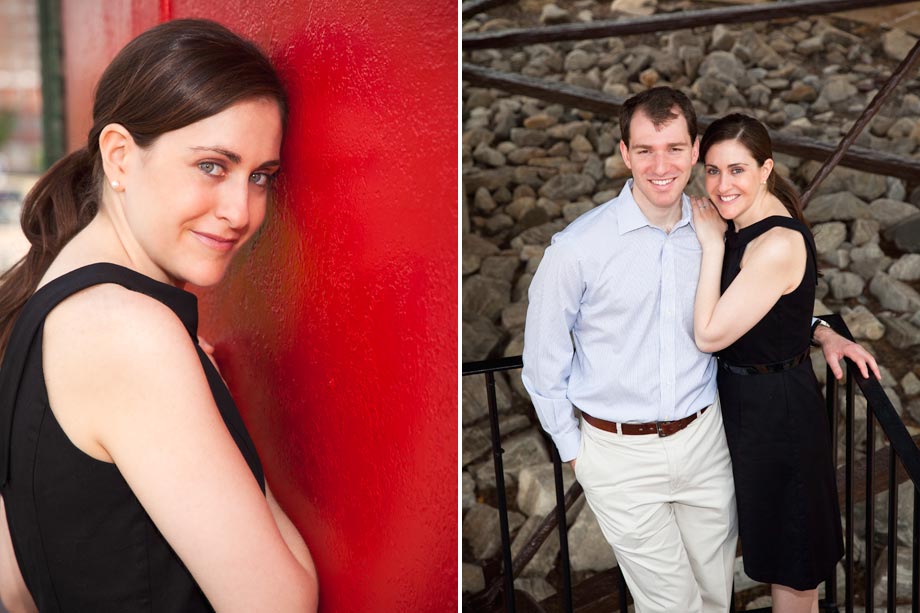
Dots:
pixel 709 225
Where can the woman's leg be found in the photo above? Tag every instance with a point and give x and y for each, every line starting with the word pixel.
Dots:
pixel 788 600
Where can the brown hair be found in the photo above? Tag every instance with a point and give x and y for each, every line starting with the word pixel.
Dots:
pixel 171 76
pixel 754 137
pixel 658 104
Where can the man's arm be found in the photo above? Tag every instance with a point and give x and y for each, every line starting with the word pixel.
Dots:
pixel 554 300
pixel 836 347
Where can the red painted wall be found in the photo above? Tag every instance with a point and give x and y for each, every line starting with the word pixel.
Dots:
pixel 337 329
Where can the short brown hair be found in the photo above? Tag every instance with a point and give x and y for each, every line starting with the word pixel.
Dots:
pixel 658 104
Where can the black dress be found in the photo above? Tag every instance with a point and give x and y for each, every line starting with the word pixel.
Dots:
pixel 778 433
pixel 82 539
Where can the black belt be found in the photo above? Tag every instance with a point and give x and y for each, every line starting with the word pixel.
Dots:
pixel 763 369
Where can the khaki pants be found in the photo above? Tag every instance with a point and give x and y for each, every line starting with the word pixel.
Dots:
pixel 667 507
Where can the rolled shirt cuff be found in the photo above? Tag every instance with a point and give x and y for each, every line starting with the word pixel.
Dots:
pixel 567 444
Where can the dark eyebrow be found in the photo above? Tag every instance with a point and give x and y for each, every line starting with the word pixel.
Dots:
pixel 235 157
pixel 641 146
pixel 729 166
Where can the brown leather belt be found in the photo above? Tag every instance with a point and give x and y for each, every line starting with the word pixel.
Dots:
pixel 661 428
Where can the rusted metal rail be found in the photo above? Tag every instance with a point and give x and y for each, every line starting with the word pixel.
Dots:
pixel 870 111
pixel 665 21
pixel 860 158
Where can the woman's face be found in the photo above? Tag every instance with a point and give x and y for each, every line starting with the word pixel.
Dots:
pixel 198 193
pixel 734 179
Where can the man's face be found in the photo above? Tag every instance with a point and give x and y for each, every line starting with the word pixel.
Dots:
pixel 661 160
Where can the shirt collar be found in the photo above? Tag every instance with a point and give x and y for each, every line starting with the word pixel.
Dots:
pixel 630 217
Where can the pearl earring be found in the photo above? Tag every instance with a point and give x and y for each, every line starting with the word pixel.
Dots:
pixel 115 184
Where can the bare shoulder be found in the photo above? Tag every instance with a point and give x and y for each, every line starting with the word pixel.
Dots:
pixel 109 315
pixel 112 355
pixel 779 246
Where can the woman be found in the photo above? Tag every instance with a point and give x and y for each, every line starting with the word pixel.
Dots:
pixel 128 478
pixel 754 307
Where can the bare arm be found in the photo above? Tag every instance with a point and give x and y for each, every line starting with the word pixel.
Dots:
pixel 772 268
pixel 155 417
pixel 291 535
pixel 13 592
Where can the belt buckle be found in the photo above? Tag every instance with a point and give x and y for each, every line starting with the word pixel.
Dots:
pixel 661 433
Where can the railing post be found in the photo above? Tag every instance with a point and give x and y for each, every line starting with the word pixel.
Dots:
pixel 833 406
pixel 848 478
pixel 497 452
pixel 892 527
pixel 870 506
pixel 915 571
pixel 563 532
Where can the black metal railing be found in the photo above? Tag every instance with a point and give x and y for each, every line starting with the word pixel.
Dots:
pixel 901 462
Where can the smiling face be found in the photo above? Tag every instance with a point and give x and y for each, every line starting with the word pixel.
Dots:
pixel 661 159
pixel 197 194
pixel 735 181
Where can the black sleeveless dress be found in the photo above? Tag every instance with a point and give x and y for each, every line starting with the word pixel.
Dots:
pixel 82 539
pixel 778 433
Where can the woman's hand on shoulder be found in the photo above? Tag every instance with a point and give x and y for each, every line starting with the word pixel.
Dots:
pixel 135 370
pixel 709 225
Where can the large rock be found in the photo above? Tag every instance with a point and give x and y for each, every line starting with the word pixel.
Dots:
pixel 469 491
pixel 910 384
pixel 568 187
pixel 893 294
pixel 906 234
pixel 475 401
pixel 724 66
pixel 889 212
pixel 839 206
pixel 473 579
pixel 475 442
pixel 491 179
pixel 522 450
pixel 482 530
pixel 897 43
pixel 514 315
pixel 480 337
pixel 828 236
pixel 615 167
pixel 553 14
pixel 838 88
pixel 862 323
pixel 901 334
pixel 868 260
pixel 538 235
pixel 846 285
pixel 907 268
pixel 537 487
pixel 864 231
pixel 863 185
pixel 502 267
pixel 486 296
pixel 588 548
pixel 640 8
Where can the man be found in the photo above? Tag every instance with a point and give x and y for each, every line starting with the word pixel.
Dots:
pixel 610 330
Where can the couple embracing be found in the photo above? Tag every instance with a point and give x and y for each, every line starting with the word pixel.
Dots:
pixel 678 451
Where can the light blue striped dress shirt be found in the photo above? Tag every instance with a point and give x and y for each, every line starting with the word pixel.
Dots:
pixel 610 323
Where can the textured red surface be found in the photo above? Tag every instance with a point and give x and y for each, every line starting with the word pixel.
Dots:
pixel 337 327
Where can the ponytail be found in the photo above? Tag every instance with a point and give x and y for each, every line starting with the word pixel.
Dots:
pixel 62 202
pixel 787 194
